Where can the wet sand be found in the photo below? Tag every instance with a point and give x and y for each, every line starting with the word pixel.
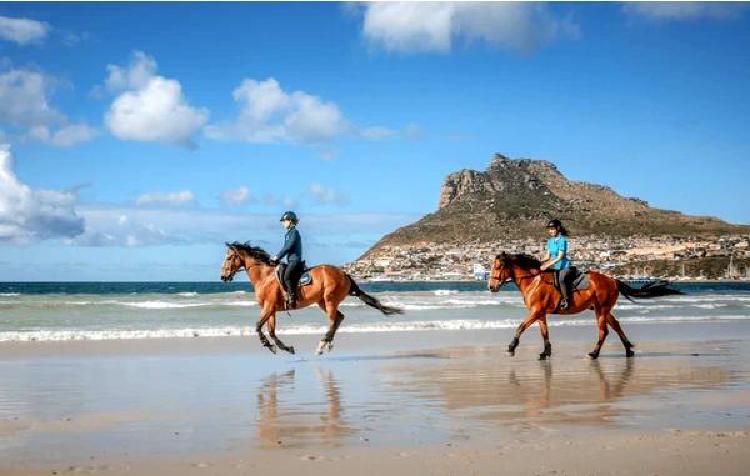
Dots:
pixel 431 402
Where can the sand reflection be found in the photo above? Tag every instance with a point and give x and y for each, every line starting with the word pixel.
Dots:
pixel 292 412
pixel 478 384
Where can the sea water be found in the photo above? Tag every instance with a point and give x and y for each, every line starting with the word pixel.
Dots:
pixel 138 310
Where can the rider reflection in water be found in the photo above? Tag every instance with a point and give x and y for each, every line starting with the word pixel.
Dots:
pixel 291 252
pixel 556 257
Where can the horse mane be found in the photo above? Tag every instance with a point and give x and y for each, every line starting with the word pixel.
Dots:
pixel 255 252
pixel 521 260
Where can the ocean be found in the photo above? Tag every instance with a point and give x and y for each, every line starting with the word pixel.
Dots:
pixel 54 311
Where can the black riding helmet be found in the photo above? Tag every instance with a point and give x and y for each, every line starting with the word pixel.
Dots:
pixel 289 215
pixel 555 223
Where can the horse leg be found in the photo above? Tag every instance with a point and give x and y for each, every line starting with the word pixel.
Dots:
pixel 334 320
pixel 530 319
pixel 272 333
pixel 601 320
pixel 545 335
pixel 615 324
pixel 265 315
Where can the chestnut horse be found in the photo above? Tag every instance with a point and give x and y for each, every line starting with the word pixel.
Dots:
pixel 541 298
pixel 330 285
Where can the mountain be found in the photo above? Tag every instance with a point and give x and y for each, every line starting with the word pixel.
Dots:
pixel 514 198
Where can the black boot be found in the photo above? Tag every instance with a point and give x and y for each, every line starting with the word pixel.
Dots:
pixel 291 301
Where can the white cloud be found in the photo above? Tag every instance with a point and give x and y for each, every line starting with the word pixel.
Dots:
pixel 269 114
pixel 236 196
pixel 434 26
pixel 23 99
pixel 65 136
pixel 151 107
pixel 181 197
pixel 27 214
pixel 327 196
pixel 22 30
pixel 135 76
pixel 683 11
pixel 25 106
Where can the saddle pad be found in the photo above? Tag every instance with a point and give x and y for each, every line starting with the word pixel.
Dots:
pixel 304 280
pixel 580 282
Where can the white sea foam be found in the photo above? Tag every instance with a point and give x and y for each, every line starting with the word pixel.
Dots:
pixel 188 294
pixel 386 326
pixel 445 292
pixel 10 294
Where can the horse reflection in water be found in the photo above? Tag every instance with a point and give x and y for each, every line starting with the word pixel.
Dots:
pixel 472 386
pixel 286 422
pixel 536 402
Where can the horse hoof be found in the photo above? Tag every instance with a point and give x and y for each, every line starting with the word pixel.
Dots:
pixel 629 353
pixel 272 348
pixel 511 352
pixel 323 347
pixel 290 349
pixel 542 356
pixel 594 355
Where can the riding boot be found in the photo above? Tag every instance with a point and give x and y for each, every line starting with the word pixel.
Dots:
pixel 291 300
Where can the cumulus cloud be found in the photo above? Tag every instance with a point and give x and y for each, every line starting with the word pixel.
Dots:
pixel 25 107
pixel 683 11
pixel 181 197
pixel 410 27
pixel 28 214
pixel 327 196
pixel 268 114
pixel 150 107
pixel 24 101
pixel 236 196
pixel 22 30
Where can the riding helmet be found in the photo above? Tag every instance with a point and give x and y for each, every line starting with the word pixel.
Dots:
pixel 554 223
pixel 289 215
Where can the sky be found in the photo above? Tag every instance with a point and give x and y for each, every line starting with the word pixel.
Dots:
pixel 136 138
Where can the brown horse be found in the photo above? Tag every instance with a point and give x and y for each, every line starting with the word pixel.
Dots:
pixel 541 298
pixel 330 285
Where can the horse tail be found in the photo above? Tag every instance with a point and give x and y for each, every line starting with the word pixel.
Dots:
pixel 371 301
pixel 627 291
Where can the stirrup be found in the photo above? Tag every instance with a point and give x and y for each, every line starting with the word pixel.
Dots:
pixel 564 303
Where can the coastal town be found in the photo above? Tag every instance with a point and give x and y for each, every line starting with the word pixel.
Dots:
pixel 669 257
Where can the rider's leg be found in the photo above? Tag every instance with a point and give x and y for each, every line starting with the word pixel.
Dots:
pixel 562 276
pixel 290 282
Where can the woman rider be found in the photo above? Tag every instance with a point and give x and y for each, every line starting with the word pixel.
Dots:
pixel 291 252
pixel 556 257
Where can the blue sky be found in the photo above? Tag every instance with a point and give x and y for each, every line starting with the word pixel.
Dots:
pixel 139 137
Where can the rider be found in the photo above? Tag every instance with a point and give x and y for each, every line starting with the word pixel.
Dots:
pixel 292 253
pixel 556 257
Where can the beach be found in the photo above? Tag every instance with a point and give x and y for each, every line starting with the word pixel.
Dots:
pixel 422 402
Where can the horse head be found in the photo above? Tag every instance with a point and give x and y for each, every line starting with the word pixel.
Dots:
pixel 501 272
pixel 233 262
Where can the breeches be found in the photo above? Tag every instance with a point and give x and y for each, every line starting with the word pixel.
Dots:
pixel 292 272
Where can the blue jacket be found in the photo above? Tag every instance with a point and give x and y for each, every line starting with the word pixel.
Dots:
pixel 292 249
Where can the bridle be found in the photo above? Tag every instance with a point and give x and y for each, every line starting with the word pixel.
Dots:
pixel 512 276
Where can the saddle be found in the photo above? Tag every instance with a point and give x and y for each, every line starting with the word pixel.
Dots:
pixel 577 280
pixel 304 279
